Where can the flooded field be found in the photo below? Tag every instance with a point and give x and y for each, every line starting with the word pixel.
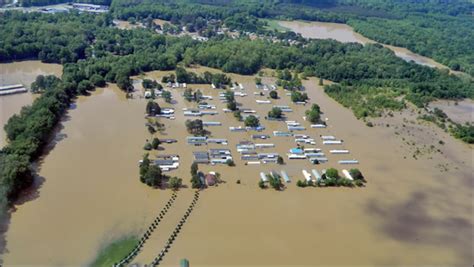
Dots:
pixel 23 72
pixel 344 33
pixel 458 111
pixel 88 194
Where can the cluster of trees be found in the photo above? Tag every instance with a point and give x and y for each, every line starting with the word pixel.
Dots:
pixel 151 84
pixel 465 132
pixel 195 181
pixel 369 101
pixel 191 95
pixel 274 180
pixel 195 127
pixel 42 83
pixel 297 96
pixel 150 174
pixel 332 178
pixel 152 108
pixel 275 113
pixel 218 79
pixel 289 81
pixel 314 114
pixel 154 144
pixel 252 121
pixel 273 94
pixel 231 102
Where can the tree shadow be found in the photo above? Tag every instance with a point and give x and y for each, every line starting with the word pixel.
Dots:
pixel 410 222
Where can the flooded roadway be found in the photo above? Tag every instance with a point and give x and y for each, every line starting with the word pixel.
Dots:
pixel 410 213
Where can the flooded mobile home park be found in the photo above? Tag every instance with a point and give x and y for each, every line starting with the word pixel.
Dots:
pixel 403 213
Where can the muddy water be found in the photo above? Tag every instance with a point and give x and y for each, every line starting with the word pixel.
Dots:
pixel 88 192
pixel 23 72
pixel 344 33
pixel 409 214
pixel 458 111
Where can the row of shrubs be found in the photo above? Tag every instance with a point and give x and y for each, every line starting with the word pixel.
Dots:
pixel 127 259
pixel 332 178
pixel 177 229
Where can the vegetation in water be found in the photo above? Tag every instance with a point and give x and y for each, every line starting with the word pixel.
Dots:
pixel 275 113
pixel 252 121
pixel 115 251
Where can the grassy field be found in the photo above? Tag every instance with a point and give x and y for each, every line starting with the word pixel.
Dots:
pixel 115 251
pixel 273 25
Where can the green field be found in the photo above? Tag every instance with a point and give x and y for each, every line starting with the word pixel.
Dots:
pixel 115 251
pixel 273 25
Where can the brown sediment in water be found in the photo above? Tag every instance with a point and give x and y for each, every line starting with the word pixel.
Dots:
pixel 409 213
pixel 22 72
pixel 345 33
pixel 459 111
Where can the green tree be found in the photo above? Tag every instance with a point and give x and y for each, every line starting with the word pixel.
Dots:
pixel 252 121
pixel 166 96
pixel 194 169
pixel 152 108
pixel 153 176
pixel 314 114
pixel 275 113
pixel 155 143
pixel 280 160
pixel 273 94
pixel 175 183
pixel 98 80
pixel 356 174
pixel 332 173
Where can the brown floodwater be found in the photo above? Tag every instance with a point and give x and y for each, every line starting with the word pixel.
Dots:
pixel 23 72
pixel 458 111
pixel 410 212
pixel 345 33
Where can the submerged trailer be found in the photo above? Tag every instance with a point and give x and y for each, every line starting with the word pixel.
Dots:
pixel 211 123
pixel 347 175
pixel 348 161
pixel 332 142
pixel 280 133
pixel 263 177
pixel 339 151
pixel 318 160
pixel 328 137
pixel 285 176
pixel 316 174
pixel 306 175
pixel 318 125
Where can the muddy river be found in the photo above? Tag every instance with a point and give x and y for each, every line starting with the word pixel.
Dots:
pixel 23 72
pixel 344 33
pixel 88 193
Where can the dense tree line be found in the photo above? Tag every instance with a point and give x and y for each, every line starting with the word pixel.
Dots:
pixel 28 3
pixel 218 79
pixel 437 29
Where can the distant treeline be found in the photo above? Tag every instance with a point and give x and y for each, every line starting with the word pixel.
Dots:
pixel 438 29
pixel 28 3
